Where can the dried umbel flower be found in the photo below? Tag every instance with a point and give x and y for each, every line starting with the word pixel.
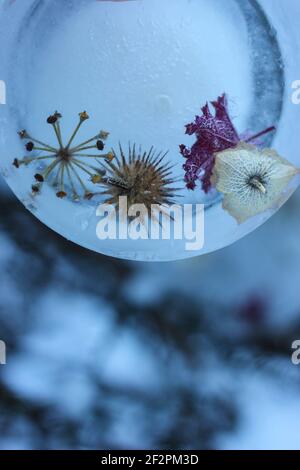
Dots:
pixel 143 177
pixel 66 163
pixel 252 180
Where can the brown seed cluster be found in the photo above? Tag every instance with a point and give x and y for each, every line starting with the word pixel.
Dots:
pixel 143 177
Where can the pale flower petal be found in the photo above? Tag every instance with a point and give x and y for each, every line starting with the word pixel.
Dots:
pixel 252 180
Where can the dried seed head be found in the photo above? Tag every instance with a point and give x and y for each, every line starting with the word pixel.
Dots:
pixel 100 145
pixel 103 135
pixel 67 165
pixel 39 178
pixel 144 178
pixel 29 146
pixel 110 156
pixel 84 116
pixel 23 134
pixel 52 119
pixel 96 179
pixel 61 194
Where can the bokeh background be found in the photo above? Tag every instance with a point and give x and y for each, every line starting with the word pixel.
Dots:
pixel 103 353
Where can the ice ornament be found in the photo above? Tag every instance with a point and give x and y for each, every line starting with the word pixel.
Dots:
pixel 125 77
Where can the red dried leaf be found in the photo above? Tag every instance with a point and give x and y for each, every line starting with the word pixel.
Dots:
pixel 214 134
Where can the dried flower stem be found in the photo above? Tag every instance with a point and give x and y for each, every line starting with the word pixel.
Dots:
pixel 261 134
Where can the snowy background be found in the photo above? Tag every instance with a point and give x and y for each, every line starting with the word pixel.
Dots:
pixel 104 353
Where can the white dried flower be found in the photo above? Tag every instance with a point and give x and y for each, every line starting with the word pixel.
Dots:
pixel 252 180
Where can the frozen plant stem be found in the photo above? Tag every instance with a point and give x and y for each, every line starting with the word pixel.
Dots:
pixel 68 161
pixel 261 134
